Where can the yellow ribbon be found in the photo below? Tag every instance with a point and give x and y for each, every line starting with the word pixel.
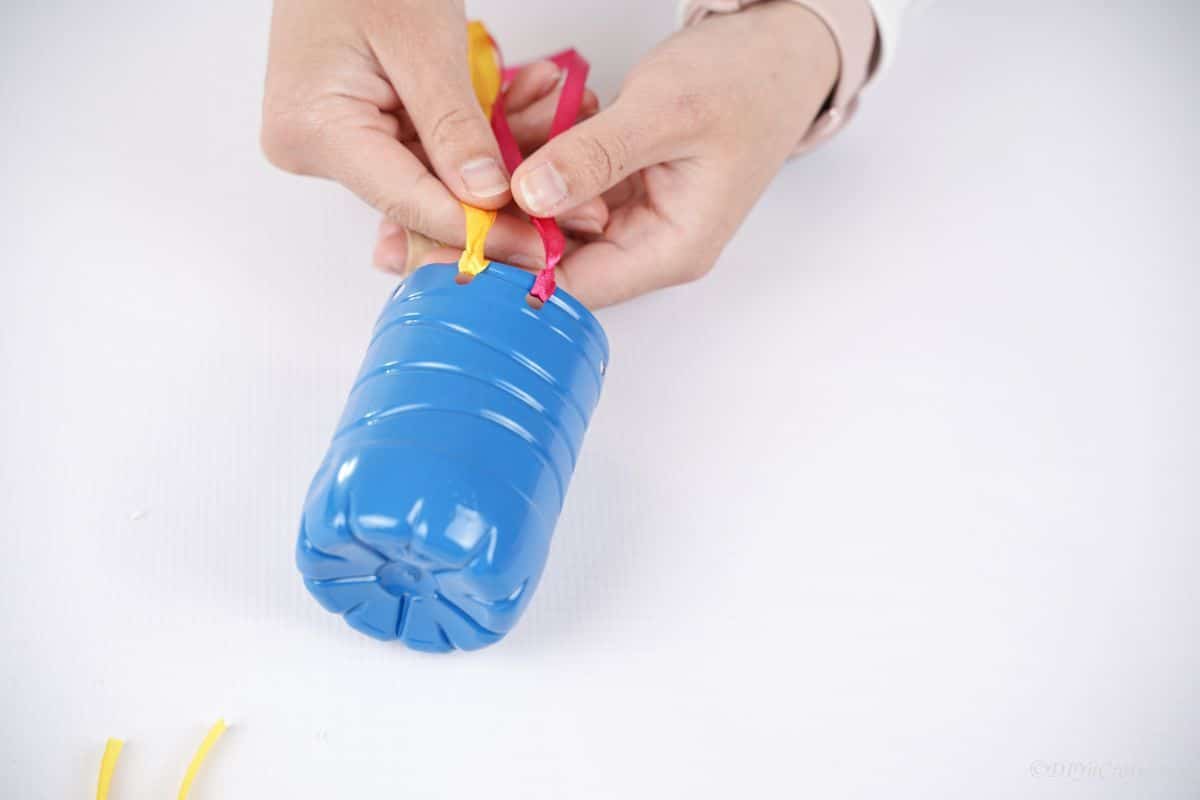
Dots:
pixel 210 739
pixel 108 765
pixel 484 63
pixel 479 222
pixel 112 751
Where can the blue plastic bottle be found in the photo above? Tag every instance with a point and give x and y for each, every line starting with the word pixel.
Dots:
pixel 430 518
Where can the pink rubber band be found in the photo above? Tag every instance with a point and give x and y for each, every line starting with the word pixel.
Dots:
pixel 575 69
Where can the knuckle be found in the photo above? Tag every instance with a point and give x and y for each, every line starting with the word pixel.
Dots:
pixel 400 209
pixel 452 125
pixel 603 161
pixel 286 141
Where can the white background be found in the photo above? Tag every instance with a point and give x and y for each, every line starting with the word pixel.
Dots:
pixel 900 502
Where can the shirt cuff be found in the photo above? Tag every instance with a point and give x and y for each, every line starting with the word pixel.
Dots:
pixel 852 24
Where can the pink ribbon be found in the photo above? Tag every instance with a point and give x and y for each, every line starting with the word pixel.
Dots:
pixel 575 70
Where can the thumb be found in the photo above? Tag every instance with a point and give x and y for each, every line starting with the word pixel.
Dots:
pixel 592 157
pixel 434 83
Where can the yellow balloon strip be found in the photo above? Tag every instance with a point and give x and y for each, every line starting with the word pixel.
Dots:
pixel 479 222
pixel 112 751
pixel 210 739
pixel 484 63
pixel 108 765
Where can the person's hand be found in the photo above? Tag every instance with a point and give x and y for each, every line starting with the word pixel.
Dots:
pixel 531 100
pixel 377 96
pixel 699 129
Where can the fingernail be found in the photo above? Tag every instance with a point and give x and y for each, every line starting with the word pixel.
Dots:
pixel 542 189
pixel 484 178
pixel 582 225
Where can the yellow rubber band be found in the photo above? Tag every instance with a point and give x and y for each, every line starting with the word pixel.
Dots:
pixel 108 765
pixel 486 78
pixel 484 65
pixel 210 739
pixel 479 222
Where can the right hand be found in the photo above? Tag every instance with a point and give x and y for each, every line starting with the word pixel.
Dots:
pixel 699 129
pixel 378 97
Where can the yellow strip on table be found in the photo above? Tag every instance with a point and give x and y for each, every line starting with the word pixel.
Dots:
pixel 210 739
pixel 108 765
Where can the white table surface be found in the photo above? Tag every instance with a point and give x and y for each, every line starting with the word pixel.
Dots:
pixel 900 502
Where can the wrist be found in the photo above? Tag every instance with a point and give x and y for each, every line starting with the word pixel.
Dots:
pixel 848 24
pixel 803 48
pixel 787 63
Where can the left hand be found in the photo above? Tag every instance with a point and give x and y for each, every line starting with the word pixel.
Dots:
pixel 696 134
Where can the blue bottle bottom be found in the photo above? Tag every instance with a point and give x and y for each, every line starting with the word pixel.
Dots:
pixel 430 518
pixel 398 601
pixel 366 552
